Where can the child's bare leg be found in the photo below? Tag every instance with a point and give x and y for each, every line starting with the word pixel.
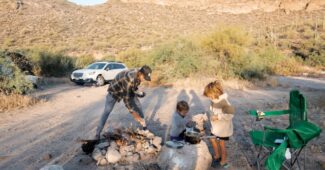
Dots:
pixel 223 152
pixel 215 147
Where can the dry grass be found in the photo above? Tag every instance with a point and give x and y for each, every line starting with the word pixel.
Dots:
pixel 13 101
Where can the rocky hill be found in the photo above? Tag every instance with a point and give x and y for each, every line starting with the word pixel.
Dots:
pixel 240 6
pixel 118 25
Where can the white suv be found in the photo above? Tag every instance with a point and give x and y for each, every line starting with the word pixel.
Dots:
pixel 98 72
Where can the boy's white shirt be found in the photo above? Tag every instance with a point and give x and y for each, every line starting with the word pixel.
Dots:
pixel 222 127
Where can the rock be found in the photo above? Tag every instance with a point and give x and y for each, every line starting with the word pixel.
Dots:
pixel 129 153
pixel 113 145
pixel 145 133
pixel 102 162
pixel 194 157
pixel 133 158
pixel 157 141
pixel 123 151
pixel 130 148
pixel 47 157
pixel 103 151
pixel 103 145
pixel 138 147
pixel 145 145
pixel 150 135
pixel 144 155
pixel 97 154
pixel 112 155
pixel 151 150
pixel 52 167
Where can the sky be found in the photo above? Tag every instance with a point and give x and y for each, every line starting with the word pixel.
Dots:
pixel 88 2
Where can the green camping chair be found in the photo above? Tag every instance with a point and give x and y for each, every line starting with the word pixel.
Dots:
pixel 273 143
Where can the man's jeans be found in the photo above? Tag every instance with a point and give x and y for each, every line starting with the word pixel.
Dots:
pixel 109 105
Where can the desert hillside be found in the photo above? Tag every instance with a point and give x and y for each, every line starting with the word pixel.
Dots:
pixel 115 26
pixel 240 6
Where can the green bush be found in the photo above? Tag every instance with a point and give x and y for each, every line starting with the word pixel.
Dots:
pixel 132 57
pixel 12 80
pixel 53 64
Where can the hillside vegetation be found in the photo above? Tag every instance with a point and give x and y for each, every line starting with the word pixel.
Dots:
pixel 178 42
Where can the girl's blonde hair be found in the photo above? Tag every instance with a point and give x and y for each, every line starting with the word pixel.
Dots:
pixel 213 90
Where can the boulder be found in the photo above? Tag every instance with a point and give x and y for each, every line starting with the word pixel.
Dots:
pixel 190 157
pixel 112 155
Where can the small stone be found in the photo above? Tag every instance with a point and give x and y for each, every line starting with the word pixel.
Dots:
pixel 123 151
pixel 102 162
pixel 150 135
pixel 138 147
pixel 157 141
pixel 144 155
pixel 47 157
pixel 130 148
pixel 129 153
pixel 97 154
pixel 113 145
pixel 151 150
pixel 145 145
pixel 103 145
pixel 133 158
pixel 113 156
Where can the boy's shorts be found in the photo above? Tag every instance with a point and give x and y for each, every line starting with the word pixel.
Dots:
pixel 221 138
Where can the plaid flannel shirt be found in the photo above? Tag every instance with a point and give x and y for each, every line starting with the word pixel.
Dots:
pixel 124 86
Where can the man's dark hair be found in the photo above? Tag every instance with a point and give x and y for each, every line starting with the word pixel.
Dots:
pixel 182 106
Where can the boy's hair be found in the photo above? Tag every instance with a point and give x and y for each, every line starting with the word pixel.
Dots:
pixel 182 106
pixel 213 89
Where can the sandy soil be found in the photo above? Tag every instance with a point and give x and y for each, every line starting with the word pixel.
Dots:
pixel 71 112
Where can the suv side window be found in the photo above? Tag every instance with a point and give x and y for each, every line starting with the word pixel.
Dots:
pixel 119 66
pixel 109 67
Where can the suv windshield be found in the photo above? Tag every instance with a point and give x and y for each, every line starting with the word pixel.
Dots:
pixel 96 66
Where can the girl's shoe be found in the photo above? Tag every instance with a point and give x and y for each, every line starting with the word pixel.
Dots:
pixel 226 165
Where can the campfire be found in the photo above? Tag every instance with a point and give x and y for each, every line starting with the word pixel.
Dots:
pixel 125 146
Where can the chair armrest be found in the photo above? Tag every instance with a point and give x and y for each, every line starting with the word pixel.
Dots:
pixel 267 128
pixel 269 113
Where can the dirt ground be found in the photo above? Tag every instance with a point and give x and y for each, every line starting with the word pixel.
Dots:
pixel 48 132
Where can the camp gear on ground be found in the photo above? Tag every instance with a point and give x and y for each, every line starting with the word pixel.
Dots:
pixel 283 144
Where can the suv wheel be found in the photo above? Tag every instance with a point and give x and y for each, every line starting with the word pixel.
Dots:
pixel 100 81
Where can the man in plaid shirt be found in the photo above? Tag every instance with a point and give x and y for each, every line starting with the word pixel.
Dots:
pixel 125 87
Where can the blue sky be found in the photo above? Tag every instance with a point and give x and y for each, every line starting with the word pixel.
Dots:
pixel 88 2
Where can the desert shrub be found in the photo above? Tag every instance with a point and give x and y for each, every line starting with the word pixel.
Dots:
pixel 12 101
pixel 12 80
pixel 316 59
pixel 83 61
pixel 52 64
pixel 179 59
pixel 132 57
